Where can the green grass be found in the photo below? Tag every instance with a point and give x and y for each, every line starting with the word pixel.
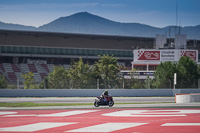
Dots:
pixel 147 103
pixel 31 104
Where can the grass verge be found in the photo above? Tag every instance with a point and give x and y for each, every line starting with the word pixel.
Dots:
pixel 31 104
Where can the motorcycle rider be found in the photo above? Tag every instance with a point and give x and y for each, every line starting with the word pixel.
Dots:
pixel 104 95
pixel 104 99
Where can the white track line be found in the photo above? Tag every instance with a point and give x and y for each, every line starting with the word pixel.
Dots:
pixel 181 124
pixel 34 127
pixel 6 113
pixel 107 127
pixel 61 114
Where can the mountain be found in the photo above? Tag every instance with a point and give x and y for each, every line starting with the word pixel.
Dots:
pixel 6 26
pixel 86 23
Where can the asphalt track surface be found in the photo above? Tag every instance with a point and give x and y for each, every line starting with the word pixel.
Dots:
pixel 120 102
pixel 146 115
pixel 109 120
pixel 88 99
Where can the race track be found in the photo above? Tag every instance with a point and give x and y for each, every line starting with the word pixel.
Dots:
pixel 109 120
pixel 87 99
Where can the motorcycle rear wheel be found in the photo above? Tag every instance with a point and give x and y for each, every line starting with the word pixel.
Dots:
pixel 96 104
pixel 111 103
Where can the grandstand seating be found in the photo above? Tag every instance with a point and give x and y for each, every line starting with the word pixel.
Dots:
pixel 32 68
pixel 37 77
pixel 43 75
pixel 19 76
pixel 45 67
pixel 15 68
pixel 2 68
pixel 50 67
pixel 13 72
pixel 7 67
pixel 24 68
pixel 12 76
pixel 40 69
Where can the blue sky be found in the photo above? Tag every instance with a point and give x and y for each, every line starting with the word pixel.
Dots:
pixel 158 13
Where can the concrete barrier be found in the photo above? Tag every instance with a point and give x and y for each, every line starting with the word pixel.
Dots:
pixel 187 98
pixel 91 92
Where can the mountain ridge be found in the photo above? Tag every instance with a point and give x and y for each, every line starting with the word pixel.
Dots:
pixel 86 23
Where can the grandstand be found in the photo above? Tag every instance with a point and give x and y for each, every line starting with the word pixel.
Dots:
pixel 38 52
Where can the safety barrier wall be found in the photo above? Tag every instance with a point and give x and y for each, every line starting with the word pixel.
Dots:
pixel 187 98
pixel 91 92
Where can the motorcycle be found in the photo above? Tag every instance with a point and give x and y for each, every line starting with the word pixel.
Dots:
pixel 104 102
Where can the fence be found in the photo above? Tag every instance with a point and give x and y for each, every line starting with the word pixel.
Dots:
pixel 91 92
pixel 113 84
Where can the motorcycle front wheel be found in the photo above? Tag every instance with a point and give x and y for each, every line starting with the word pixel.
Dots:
pixel 111 103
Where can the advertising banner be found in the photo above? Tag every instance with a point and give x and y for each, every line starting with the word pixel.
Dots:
pixel 147 55
pixel 193 54
pixel 169 55
pixel 164 55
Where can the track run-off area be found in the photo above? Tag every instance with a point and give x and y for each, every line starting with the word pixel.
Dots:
pixel 106 120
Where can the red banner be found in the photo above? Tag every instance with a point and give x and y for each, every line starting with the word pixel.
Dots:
pixel 191 54
pixel 148 55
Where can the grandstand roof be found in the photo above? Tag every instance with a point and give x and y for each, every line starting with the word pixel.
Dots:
pixel 69 40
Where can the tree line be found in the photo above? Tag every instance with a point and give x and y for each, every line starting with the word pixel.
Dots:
pixel 187 70
pixel 106 73
pixel 80 75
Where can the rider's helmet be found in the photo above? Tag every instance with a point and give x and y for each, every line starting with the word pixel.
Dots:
pixel 106 92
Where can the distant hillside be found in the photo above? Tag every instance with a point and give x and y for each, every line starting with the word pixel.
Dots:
pixel 87 23
pixel 16 27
